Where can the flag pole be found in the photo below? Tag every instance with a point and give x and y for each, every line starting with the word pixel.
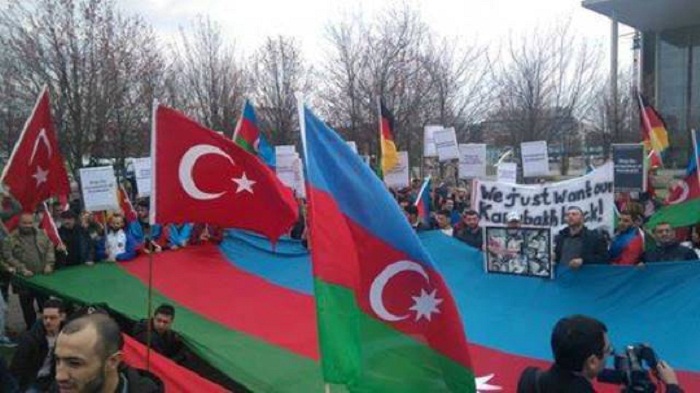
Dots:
pixel 694 139
pixel 147 243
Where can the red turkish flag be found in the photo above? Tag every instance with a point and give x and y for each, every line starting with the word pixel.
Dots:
pixel 125 205
pixel 201 176
pixel 49 226
pixel 36 170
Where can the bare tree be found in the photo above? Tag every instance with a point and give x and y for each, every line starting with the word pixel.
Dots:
pixel 423 78
pixel 614 122
pixel 277 72
pixel 91 56
pixel 205 80
pixel 546 82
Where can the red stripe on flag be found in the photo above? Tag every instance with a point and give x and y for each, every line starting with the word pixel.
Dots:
pixel 200 279
pixel 176 378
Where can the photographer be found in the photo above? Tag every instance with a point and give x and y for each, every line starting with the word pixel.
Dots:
pixel 580 346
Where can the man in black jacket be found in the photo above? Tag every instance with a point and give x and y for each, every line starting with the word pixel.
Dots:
pixel 580 346
pixel 89 359
pixel 163 339
pixel 577 245
pixel 667 247
pixel 76 247
pixel 469 231
pixel 32 364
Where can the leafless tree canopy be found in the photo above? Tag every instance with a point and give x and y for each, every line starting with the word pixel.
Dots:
pixel 277 72
pixel 105 68
pixel 101 66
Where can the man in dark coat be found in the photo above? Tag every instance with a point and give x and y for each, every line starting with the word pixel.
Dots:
pixel 469 231
pixel 577 245
pixel 32 364
pixel 76 248
pixel 163 339
pixel 667 247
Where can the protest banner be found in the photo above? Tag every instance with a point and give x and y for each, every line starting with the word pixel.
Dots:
pixel 446 144
pixel 507 172
pixel 398 177
pixel 523 251
pixel 535 159
pixel 99 186
pixel 142 173
pixel 628 160
pixel 472 161
pixel 546 204
pixel 429 149
pixel 285 150
pixel 290 170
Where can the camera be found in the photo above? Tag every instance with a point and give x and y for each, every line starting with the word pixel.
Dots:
pixel 630 372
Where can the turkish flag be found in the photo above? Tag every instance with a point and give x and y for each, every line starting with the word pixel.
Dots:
pixel 201 176
pixel 125 205
pixel 36 170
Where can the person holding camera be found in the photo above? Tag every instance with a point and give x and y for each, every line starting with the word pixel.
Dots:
pixel 580 346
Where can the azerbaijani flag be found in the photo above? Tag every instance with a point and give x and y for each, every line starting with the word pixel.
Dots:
pixel 248 136
pixel 684 197
pixel 387 143
pixel 386 318
pixel 654 134
pixel 423 202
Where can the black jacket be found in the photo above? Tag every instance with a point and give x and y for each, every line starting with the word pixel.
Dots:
pixel 78 247
pixel 593 251
pixel 132 380
pixel 474 239
pixel 139 381
pixel 29 356
pixel 558 380
pixel 168 344
pixel 554 380
pixel 669 253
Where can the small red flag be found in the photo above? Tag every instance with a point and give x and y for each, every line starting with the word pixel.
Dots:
pixel 125 205
pixel 48 225
pixel 200 176
pixel 36 170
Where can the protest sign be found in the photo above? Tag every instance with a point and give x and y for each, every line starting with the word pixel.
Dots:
pixel 429 149
pixel 472 161
pixel 630 174
pixel 142 173
pixel 507 172
pixel 546 204
pixel 285 150
pixel 398 177
pixel 99 187
pixel 446 144
pixel 289 170
pixel 535 158
pixel 353 146
pixel 524 251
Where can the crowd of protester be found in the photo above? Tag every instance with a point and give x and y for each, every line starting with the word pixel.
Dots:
pixel 575 245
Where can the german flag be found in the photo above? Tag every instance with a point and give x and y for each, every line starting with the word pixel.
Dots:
pixel 387 143
pixel 654 133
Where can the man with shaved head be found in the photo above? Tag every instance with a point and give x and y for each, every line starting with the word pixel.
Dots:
pixel 88 359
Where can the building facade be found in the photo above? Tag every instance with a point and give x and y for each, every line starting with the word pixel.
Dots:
pixel 669 62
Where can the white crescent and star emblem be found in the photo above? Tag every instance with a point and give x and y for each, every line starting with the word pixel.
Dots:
pixel 685 190
pixel 41 137
pixel 424 305
pixel 482 384
pixel 41 175
pixel 187 163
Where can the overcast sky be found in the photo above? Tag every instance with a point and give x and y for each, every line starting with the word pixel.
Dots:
pixel 489 22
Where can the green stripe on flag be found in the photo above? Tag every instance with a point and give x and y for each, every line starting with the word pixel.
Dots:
pixel 370 356
pixel 242 142
pixel 680 215
pixel 259 366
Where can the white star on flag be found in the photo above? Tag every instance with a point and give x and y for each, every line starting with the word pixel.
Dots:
pixel 425 305
pixel 482 384
pixel 244 184
pixel 41 175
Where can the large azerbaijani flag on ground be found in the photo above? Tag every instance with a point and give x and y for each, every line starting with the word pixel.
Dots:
pixel 250 312
pixel 387 320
